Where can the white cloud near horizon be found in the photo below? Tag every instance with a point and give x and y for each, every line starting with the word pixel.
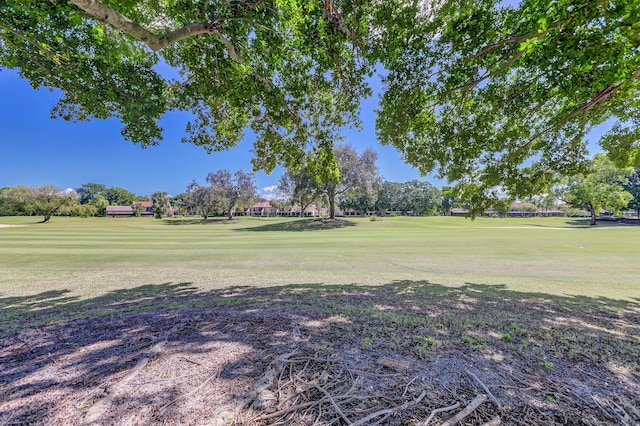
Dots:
pixel 270 191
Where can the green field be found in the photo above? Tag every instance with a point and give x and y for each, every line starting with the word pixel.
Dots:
pixel 91 257
pixel 546 311
pixel 76 268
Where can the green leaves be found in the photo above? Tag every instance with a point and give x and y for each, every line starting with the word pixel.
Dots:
pixel 602 187
pixel 494 98
pixel 43 200
pixel 285 69
pixel 503 97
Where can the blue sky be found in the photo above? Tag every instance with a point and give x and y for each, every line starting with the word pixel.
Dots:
pixel 38 150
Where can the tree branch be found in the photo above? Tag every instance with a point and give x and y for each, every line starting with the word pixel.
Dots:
pixel 112 17
pixel 477 401
pixel 53 56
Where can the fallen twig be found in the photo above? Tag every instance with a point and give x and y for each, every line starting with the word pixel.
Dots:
pixel 333 402
pixel 193 362
pixel 610 410
pixel 625 420
pixel 599 405
pixel 406 388
pixel 394 363
pixel 388 411
pixel 370 374
pixel 291 409
pixel 440 410
pixel 486 389
pixel 477 401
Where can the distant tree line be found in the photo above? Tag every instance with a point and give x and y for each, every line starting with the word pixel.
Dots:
pixel 347 182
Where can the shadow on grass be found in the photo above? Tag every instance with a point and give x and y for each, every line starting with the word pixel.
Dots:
pixel 97 340
pixel 201 221
pixel 603 222
pixel 301 225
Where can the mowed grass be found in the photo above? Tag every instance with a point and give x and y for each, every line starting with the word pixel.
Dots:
pixel 91 257
pixel 552 302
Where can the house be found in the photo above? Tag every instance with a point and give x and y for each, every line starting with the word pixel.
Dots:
pixel 114 211
pixel 310 210
pixel 262 209
pixel 457 211
pixel 145 206
pixel 519 209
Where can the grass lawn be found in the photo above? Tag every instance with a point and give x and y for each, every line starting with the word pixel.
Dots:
pixel 144 321
pixel 90 257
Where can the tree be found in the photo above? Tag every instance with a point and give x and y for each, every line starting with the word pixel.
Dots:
pixel 181 202
pixel 202 199
pixel 160 205
pixel 90 191
pixel 291 71
pixel 359 203
pixel 602 187
pixel 42 200
pixel 299 188
pixel 82 210
pixel 489 94
pixel 502 207
pixel 100 203
pixel 10 205
pixel 119 196
pixel 344 173
pixel 138 208
pixel 633 188
pixel 389 197
pixel 232 190
pixel 448 200
pixel 492 95
pixel 420 197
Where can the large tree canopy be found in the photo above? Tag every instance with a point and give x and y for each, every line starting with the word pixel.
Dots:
pixel 287 69
pixel 346 174
pixel 602 187
pixel 498 97
pixel 231 190
pixel 493 95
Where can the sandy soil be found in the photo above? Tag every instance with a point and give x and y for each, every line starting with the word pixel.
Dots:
pixel 289 363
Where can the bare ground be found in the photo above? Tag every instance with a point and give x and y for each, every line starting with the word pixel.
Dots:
pixel 407 353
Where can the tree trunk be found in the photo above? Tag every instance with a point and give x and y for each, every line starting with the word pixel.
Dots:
pixel 332 208
pixel 592 211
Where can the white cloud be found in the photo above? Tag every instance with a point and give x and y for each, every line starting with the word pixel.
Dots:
pixel 270 192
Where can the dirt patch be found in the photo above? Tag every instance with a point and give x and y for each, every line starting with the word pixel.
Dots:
pixel 400 354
